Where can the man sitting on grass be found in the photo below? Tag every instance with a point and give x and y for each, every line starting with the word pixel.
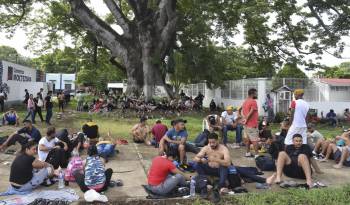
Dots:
pixel 336 147
pixel 90 129
pixel 140 132
pixel 175 139
pixel 30 133
pixel 213 160
pixel 10 118
pixel 313 136
pixel 158 131
pixel 295 162
pixel 345 154
pixel 163 176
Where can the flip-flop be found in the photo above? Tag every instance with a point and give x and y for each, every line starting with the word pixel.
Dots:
pixel 288 184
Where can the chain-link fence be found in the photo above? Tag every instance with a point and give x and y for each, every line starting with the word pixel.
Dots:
pixel 193 89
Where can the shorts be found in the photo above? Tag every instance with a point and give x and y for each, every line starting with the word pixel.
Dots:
pixel 295 130
pixel 252 134
pixel 138 141
pixel 293 170
pixel 337 155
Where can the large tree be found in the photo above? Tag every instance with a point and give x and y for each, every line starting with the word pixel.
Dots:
pixel 275 32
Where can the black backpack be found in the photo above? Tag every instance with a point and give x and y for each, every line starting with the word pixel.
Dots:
pixel 234 181
pixel 265 163
pixel 201 183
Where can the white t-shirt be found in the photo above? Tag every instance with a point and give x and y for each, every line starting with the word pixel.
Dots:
pixel 229 119
pixel 315 136
pixel 49 144
pixel 301 109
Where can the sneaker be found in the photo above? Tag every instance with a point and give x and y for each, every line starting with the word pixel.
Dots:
pixel 248 154
pixel 321 156
pixel 183 166
pixel 314 153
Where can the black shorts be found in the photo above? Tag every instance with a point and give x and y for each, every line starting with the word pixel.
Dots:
pixel 337 155
pixel 138 141
pixel 294 171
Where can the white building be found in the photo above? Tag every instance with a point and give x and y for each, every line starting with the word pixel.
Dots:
pixel 61 81
pixel 15 78
pixel 321 94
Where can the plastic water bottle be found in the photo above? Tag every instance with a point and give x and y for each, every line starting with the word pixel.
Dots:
pixel 192 187
pixel 61 180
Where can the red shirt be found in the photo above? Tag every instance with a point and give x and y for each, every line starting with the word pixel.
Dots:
pixel 159 131
pixel 160 169
pixel 250 104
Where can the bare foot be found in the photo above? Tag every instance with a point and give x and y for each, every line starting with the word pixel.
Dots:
pixel 310 184
pixel 338 166
pixel 271 179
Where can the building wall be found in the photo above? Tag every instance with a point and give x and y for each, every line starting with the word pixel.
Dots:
pixel 319 95
pixel 60 79
pixel 324 107
pixel 17 93
pixel 19 73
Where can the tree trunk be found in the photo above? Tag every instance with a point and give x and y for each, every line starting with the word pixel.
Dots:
pixel 144 44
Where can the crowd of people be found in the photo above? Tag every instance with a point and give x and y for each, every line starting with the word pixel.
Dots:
pixel 109 101
pixel 295 150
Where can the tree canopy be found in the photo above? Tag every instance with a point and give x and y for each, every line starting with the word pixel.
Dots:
pixel 203 34
pixel 341 71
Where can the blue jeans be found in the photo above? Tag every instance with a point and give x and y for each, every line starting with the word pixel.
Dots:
pixel 48 115
pixel 238 129
pixel 30 114
pixel 106 150
pixel 222 173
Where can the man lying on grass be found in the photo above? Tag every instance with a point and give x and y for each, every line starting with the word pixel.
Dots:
pixel 295 162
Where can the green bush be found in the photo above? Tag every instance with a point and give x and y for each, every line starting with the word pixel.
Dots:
pixel 280 116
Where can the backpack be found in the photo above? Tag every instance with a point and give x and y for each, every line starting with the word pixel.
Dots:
pixel 201 183
pixel 75 164
pixel 234 181
pixel 265 163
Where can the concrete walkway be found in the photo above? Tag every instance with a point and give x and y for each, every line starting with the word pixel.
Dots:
pixel 133 161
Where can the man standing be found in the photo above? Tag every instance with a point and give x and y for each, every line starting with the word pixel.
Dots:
pixel 299 110
pixel 214 160
pixel 229 121
pixel 48 106
pixel 268 106
pixel 2 100
pixel 250 120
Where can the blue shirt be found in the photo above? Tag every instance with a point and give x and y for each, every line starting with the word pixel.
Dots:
pixel 33 133
pixel 176 136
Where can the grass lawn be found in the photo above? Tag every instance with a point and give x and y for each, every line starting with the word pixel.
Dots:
pixel 120 127
pixel 326 196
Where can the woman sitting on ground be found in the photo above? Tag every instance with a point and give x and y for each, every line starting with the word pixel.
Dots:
pixel 95 176
pixel 27 173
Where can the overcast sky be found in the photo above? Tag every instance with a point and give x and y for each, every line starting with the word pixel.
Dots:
pixel 19 40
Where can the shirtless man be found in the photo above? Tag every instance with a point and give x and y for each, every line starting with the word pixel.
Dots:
pixel 213 160
pixel 141 131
